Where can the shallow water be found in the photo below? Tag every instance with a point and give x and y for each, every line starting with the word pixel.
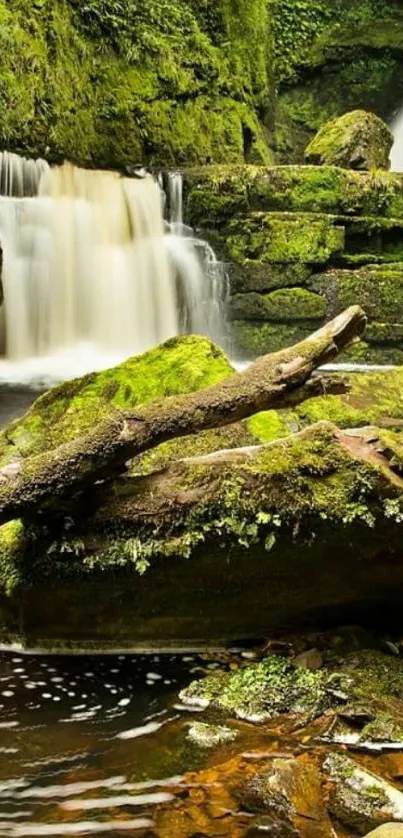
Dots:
pixel 89 745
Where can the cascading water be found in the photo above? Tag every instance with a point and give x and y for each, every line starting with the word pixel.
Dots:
pixel 203 282
pixel 90 272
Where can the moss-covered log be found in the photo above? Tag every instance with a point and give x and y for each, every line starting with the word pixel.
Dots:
pixel 34 484
pixel 231 545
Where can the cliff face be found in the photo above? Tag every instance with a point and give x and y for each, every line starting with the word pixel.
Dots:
pixel 111 82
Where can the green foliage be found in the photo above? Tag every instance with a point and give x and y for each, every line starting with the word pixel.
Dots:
pixel 296 23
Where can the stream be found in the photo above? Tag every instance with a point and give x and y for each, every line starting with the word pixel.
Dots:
pixel 88 745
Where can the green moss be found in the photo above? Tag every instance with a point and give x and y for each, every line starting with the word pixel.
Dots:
pixel 214 194
pixel 180 365
pixel 282 306
pixel 333 57
pixel 262 691
pixel 253 276
pixel 114 84
pixel 378 289
pixel 388 334
pixel 233 436
pixel 368 353
pixel 12 546
pixel 284 238
pixel 375 398
pixel 356 140
pixel 262 338
pixel 268 426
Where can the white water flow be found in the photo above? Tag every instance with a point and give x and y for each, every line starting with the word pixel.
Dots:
pixel 396 155
pixel 203 282
pixel 90 273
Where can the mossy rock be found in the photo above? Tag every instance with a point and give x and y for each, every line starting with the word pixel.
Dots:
pixel 386 334
pixel 257 338
pixel 356 140
pixel 375 398
pixel 253 276
pixel 283 238
pixel 333 58
pixel 181 365
pixel 214 194
pixel 142 571
pixel 274 687
pixel 360 799
pixel 110 85
pixel 377 288
pixel 281 306
pixel 261 691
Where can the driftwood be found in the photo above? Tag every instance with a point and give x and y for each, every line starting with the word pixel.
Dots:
pixel 43 483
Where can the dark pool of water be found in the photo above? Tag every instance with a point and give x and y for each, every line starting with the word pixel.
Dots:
pixel 90 745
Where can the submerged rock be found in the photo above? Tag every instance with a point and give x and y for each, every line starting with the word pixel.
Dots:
pixel 209 736
pixel 360 799
pixel 356 140
pixel 291 791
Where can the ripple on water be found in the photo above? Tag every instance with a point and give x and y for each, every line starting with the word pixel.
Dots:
pixel 67 724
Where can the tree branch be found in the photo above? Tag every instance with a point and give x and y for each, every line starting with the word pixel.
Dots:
pixel 42 483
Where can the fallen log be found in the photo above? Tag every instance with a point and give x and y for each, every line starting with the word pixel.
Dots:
pixel 42 483
pixel 241 543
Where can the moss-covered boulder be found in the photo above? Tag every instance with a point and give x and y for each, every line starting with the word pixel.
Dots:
pixel 262 691
pixel 332 58
pixel 361 800
pixel 181 365
pixel 357 140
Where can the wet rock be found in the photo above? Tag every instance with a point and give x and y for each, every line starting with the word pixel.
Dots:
pixel 360 799
pixel 356 140
pixel 292 792
pixel 262 691
pixel 311 660
pixel 372 683
pixel 210 736
pixel 387 830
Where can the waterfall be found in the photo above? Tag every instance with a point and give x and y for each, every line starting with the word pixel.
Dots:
pixel 20 177
pixel 91 273
pixel 203 282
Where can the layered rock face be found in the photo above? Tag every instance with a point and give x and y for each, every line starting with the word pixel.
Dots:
pixel 302 243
